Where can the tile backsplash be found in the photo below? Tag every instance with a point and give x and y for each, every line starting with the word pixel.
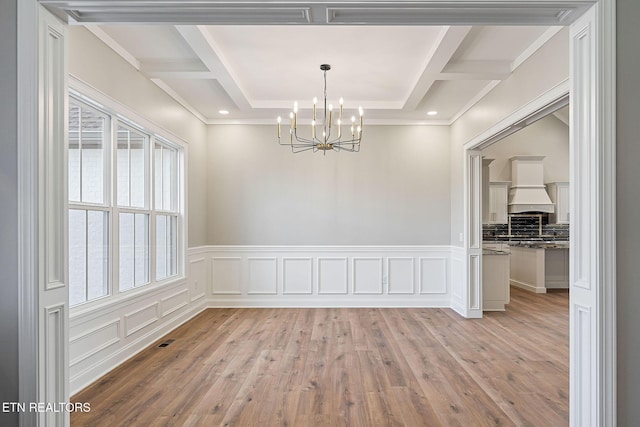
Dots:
pixel 526 228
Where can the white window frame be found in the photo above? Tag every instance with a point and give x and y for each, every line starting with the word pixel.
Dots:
pixel 174 210
pixel 105 206
pixel 121 115
pixel 118 122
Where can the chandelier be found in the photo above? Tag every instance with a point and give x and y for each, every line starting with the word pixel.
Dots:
pixel 321 133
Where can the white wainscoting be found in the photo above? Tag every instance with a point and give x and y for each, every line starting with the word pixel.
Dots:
pixel 105 335
pixel 457 279
pixel 329 276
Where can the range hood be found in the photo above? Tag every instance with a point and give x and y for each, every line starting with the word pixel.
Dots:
pixel 528 192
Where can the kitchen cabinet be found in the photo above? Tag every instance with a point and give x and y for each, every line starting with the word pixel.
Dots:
pixel 485 189
pixel 537 269
pixel 559 194
pixel 498 201
pixel 495 280
pixel 556 268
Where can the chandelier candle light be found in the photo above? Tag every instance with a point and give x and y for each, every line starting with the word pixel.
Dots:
pixel 323 141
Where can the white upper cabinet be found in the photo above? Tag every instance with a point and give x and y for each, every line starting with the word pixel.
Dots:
pixel 498 200
pixel 485 190
pixel 559 194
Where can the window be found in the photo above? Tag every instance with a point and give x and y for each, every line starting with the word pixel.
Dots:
pixel 124 204
pixel 133 213
pixel 166 205
pixel 88 206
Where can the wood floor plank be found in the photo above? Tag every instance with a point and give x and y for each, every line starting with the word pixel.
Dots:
pixel 347 367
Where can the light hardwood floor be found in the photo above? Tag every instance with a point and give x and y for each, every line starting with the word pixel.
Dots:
pixel 347 367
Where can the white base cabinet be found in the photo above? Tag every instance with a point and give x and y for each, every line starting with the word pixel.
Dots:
pixel 495 281
pixel 539 269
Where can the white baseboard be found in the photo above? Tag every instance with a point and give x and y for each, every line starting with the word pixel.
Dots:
pixel 527 286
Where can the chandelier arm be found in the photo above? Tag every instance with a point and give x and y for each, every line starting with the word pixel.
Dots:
pixel 342 148
pixel 300 144
pixel 303 139
pixel 301 150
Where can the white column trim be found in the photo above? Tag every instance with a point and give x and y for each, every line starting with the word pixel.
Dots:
pixel 607 100
pixel 27 88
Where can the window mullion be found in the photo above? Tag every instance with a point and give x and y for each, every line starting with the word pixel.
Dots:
pixel 151 200
pixel 129 166
pixel 80 151
pixel 86 255
pixel 162 177
pixel 114 237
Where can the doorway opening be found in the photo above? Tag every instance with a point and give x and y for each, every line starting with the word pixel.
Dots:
pixel 593 333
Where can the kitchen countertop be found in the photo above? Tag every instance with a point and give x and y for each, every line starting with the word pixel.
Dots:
pixel 541 244
pixel 487 251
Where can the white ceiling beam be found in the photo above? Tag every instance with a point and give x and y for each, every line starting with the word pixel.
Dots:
pixel 476 70
pixel 348 12
pixel 186 69
pixel 445 46
pixel 533 47
pixel 187 75
pixel 114 45
pixel 186 65
pixel 203 44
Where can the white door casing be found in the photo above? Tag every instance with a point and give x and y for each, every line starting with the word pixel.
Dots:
pixel 473 233
pixel 592 227
pixel 53 354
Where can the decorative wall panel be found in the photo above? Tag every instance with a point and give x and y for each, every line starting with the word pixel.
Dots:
pixel 401 275
pixel 367 275
pixel 297 276
pixel 197 278
pixel 433 275
pixel 174 302
pixel 226 275
pixel 137 320
pixel 93 341
pixel 263 276
pixel 332 276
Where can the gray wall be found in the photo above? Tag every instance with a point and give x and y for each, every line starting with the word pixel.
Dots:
pixel 547 137
pixel 8 211
pixel 394 192
pixel 628 208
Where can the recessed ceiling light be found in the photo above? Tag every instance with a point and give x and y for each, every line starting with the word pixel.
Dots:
pixel 223 112
pixel 432 113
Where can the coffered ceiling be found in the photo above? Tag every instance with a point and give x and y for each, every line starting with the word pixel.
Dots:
pixel 255 72
pixel 398 59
